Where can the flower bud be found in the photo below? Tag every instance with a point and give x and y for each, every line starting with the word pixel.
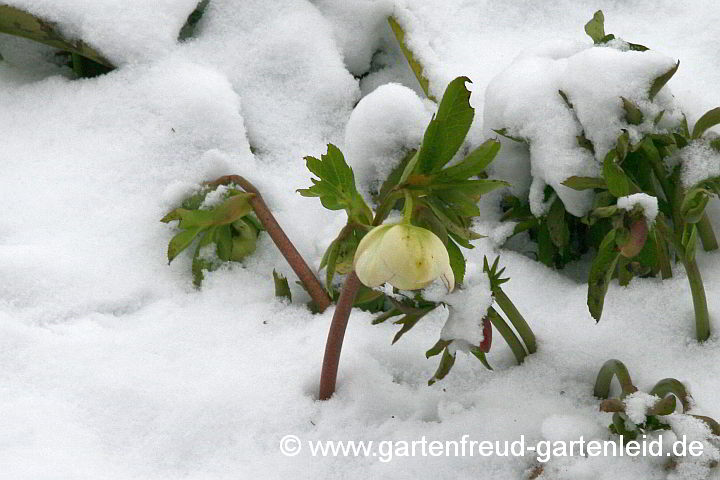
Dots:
pixel 405 256
pixel 636 242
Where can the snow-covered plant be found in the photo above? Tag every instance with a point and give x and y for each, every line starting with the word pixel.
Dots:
pixel 221 218
pixel 613 164
pixel 438 204
pixel 636 413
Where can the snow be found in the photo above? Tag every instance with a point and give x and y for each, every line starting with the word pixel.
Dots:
pixel 524 99
pixel 468 305
pixel 112 366
pixel 383 127
pixel 637 405
pixel 124 32
pixel 647 204
pixel 699 162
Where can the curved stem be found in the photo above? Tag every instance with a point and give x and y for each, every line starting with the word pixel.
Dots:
pixel 706 233
pixel 333 347
pixel 408 208
pixel 610 369
pixel 516 319
pixel 676 387
pixel 313 286
pixel 702 317
pixel 507 333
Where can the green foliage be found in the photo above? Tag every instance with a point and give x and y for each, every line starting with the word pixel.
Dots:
pixel 282 288
pixel 434 194
pixel 230 226
pixel 335 186
pixel 415 66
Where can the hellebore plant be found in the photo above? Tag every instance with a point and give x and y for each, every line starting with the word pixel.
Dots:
pixel 636 413
pixel 227 230
pixel 438 204
pixel 641 172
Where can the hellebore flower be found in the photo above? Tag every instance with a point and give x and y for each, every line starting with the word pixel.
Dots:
pixel 405 256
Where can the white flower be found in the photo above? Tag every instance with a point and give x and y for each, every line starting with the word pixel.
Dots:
pixel 405 256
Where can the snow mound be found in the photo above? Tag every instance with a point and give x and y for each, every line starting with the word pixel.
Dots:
pixel 699 161
pixel 525 100
pixel 382 128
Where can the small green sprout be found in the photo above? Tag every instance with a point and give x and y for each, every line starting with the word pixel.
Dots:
pixel 667 393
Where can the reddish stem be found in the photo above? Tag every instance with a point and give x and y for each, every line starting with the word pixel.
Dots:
pixel 333 347
pixel 295 260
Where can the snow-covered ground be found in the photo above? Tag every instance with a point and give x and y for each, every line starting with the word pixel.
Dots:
pixel 112 366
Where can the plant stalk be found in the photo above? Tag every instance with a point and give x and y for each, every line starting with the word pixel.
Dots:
pixel 702 317
pixel 333 346
pixel 706 233
pixel 313 286
pixel 610 369
pixel 507 333
pixel 516 319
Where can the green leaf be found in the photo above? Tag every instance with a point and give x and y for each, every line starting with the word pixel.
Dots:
pixel 565 98
pixel 633 114
pixel 660 81
pixel 448 129
pixel 408 322
pixel 546 248
pixel 617 182
pixel 693 205
pixel 231 209
pixel 457 261
pixel 480 355
pixel 584 183
pixel 173 215
pixel 180 242
pixel 595 28
pixel 282 288
pixel 473 164
pixel 224 243
pixel 710 119
pixel 470 187
pixel 622 146
pixel 437 348
pixel 335 186
pixel 557 227
pixel 601 271
pixel 17 22
pixel 414 64
pixel 446 363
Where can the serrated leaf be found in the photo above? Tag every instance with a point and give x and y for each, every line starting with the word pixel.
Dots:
pixel 480 355
pixel 710 119
pixel 470 187
pixel 335 185
pixel 633 114
pixel 180 242
pixel 195 218
pixel 448 129
pixel 660 81
pixel 595 28
pixel 601 271
pixel 446 363
pixel 585 143
pixel 584 183
pixel 282 288
pixel 617 182
pixel 457 262
pixel 637 47
pixel 622 146
pixel 474 164
pixel 557 226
